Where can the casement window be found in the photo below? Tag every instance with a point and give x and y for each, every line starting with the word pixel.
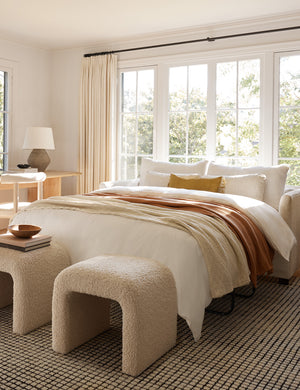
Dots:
pixel 212 109
pixel 3 120
pixel 187 113
pixel 287 114
pixel 238 112
pixel 136 120
pixel 233 113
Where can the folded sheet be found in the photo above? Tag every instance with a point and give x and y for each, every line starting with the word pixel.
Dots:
pixel 30 177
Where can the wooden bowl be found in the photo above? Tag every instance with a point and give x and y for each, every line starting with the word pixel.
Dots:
pixel 24 231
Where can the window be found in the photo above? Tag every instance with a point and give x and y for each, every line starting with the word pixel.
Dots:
pixel 237 110
pixel 288 151
pixel 3 119
pixel 137 130
pixel 187 113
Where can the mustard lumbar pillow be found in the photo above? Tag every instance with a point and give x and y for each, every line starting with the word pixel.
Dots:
pixel 201 184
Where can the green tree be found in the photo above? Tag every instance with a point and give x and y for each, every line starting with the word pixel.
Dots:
pixel 187 128
pixel 289 126
pixel 237 130
pixel 137 130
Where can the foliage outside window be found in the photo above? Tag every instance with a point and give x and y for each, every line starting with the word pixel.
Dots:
pixel 3 120
pixel 137 107
pixel 211 110
pixel 187 113
pixel 289 116
pixel 238 112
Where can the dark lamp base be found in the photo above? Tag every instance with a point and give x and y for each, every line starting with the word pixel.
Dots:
pixel 39 159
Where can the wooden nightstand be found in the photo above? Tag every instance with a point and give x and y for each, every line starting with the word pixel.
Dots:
pixel 52 184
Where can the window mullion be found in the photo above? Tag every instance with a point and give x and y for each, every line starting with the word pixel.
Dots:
pixel 211 112
pixel 5 113
pixel 237 113
pixel 269 114
pixel 276 109
pixel 187 114
pixel 136 125
pixel 161 151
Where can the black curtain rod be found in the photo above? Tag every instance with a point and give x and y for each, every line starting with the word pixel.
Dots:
pixel 208 39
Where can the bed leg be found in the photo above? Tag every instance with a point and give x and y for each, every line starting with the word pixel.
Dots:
pixel 284 281
pixel 224 313
pixel 246 295
pixel 233 294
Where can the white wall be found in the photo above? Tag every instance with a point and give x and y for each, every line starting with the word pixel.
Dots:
pixel 46 84
pixel 66 70
pixel 29 93
pixel 65 83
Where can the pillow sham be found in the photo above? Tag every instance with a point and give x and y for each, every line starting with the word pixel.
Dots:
pixel 200 184
pixel 274 184
pixel 159 179
pixel 169 167
pixel 252 185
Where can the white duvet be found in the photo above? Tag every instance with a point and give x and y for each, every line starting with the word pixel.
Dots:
pixel 86 235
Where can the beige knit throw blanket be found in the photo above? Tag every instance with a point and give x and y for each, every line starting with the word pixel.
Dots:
pixel 222 251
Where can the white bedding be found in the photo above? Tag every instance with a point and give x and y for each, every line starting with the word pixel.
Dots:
pixel 87 235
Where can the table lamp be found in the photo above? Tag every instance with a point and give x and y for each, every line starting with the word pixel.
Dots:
pixel 39 139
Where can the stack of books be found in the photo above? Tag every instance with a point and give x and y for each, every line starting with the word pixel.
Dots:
pixel 28 170
pixel 8 240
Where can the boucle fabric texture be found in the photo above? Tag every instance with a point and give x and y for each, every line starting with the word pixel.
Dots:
pixel 144 288
pixel 26 279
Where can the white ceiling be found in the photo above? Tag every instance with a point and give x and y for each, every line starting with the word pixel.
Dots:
pixel 57 24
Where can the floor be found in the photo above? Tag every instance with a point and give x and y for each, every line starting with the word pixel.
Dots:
pixel 256 347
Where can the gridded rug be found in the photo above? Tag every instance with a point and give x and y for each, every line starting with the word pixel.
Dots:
pixel 255 347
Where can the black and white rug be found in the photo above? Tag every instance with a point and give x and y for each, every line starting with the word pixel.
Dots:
pixel 256 347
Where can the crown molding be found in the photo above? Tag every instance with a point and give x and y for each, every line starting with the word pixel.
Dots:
pixel 234 27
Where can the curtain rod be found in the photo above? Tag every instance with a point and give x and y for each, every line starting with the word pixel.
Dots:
pixel 208 39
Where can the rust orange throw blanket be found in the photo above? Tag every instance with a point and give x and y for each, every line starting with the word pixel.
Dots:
pixel 259 253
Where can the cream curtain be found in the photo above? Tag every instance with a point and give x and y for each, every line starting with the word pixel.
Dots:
pixel 97 120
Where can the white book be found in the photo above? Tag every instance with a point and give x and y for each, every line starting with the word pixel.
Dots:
pixel 23 170
pixel 10 239
pixel 27 249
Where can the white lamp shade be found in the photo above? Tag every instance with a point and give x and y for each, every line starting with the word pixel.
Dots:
pixel 39 138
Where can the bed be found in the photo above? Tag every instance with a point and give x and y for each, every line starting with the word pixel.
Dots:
pixel 104 222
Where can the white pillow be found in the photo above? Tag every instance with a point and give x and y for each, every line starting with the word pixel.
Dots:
pixel 159 179
pixel 168 167
pixel 156 179
pixel 275 178
pixel 252 185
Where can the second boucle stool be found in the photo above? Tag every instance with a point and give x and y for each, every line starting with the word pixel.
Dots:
pixel 144 288
pixel 26 280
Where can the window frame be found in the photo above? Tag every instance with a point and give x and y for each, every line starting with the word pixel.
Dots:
pixel 188 110
pixel 120 112
pixel 266 53
pixel 211 98
pixel 7 110
pixel 277 57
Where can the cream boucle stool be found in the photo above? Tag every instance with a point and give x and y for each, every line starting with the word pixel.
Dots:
pixel 26 279
pixel 144 288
